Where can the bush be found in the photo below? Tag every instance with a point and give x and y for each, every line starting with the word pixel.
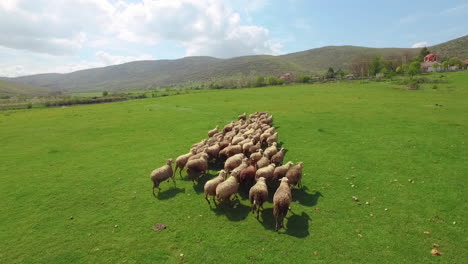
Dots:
pixel 260 81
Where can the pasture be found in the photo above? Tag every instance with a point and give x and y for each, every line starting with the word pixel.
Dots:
pixel 75 187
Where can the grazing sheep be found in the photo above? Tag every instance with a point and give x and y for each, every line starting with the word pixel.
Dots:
pixel 294 175
pixel 181 161
pixel 258 194
pixel 161 174
pixel 270 130
pixel 210 186
pixel 278 157
pixel 226 189
pixel 213 131
pixel 242 117
pixel 272 138
pixel 263 162
pixel 237 139
pixel 270 151
pixel 281 171
pixel 247 175
pixel 266 172
pixel 281 202
pixel 264 136
pixel 232 162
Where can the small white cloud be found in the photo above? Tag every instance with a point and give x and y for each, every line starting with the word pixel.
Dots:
pixel 420 44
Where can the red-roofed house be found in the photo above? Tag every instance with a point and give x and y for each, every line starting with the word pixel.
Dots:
pixel 429 60
pixel 287 77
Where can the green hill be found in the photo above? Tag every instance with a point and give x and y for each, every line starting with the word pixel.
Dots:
pixel 8 88
pixel 141 75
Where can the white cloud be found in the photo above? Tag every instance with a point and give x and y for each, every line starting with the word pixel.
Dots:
pixel 420 45
pixel 64 27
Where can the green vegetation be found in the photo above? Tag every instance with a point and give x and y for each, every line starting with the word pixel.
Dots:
pixel 75 187
pixel 10 89
pixel 148 75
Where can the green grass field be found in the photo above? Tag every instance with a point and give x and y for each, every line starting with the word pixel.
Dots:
pixel 75 187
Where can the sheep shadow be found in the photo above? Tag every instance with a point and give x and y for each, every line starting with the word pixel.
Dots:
pixel 305 198
pixel 198 186
pixel 266 219
pixel 298 225
pixel 236 212
pixel 167 194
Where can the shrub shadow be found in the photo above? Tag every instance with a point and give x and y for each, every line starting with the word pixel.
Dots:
pixel 167 194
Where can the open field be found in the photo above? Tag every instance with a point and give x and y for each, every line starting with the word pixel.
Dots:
pixel 75 187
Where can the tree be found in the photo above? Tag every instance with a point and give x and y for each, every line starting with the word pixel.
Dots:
pixel 272 80
pixel 105 93
pixel 405 68
pixel 360 66
pixel 330 73
pixel 375 66
pixel 445 65
pixel 414 68
pixel 435 65
pixel 260 81
pixel 399 70
pixel 454 61
pixel 304 79
pixel 424 51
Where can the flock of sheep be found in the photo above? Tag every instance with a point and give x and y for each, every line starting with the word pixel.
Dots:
pixel 251 158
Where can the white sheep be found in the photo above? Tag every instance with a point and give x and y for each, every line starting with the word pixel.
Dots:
pixel 210 186
pixel 161 174
pixel 258 194
pixel 281 202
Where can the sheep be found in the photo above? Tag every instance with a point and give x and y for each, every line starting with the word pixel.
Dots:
pixel 226 189
pixel 228 127
pixel 270 151
pixel 181 161
pixel 263 162
pixel 278 157
pixel 281 171
pixel 161 174
pixel 232 162
pixel 294 175
pixel 264 136
pixel 247 175
pixel 281 202
pixel 270 130
pixel 213 151
pixel 272 138
pixel 265 172
pixel 210 186
pixel 237 139
pixel 258 194
pixel 213 131
pixel 197 167
pixel 255 147
pixel 246 147
pixel 242 117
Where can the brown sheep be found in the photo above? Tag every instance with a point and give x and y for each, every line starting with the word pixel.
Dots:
pixel 281 171
pixel 210 186
pixel 294 175
pixel 228 127
pixel 258 194
pixel 161 174
pixel 278 157
pixel 247 175
pixel 281 202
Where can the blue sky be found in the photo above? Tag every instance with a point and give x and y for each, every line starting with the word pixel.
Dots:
pixel 67 35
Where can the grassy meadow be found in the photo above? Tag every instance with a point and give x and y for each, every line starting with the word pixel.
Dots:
pixel 75 187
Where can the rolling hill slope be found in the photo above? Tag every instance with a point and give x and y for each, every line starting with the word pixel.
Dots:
pixel 8 88
pixel 140 75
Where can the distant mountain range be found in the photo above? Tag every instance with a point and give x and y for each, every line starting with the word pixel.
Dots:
pixel 141 75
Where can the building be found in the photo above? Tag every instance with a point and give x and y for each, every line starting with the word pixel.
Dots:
pixel 287 77
pixel 429 60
